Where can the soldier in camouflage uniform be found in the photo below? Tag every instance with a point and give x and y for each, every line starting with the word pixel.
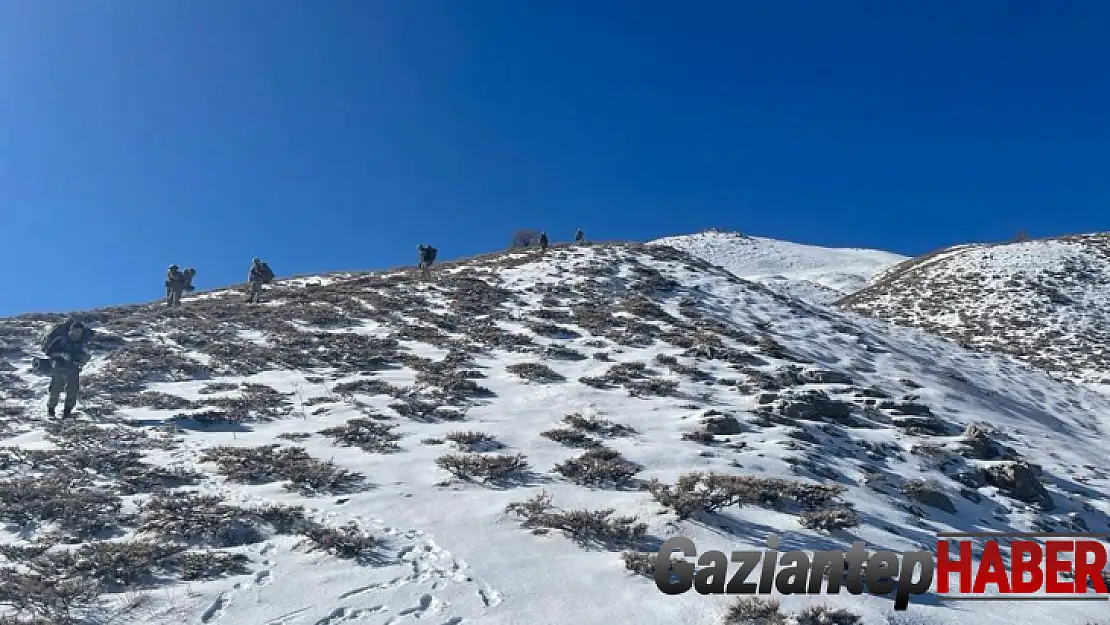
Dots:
pixel 260 274
pixel 175 285
pixel 65 348
pixel 427 257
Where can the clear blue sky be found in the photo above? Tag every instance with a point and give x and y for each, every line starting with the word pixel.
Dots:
pixel 340 134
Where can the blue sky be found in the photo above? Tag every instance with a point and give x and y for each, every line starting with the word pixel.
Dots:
pixel 339 135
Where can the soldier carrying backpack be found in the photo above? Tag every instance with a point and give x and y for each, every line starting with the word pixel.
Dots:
pixel 177 283
pixel 427 257
pixel 543 241
pixel 64 347
pixel 260 274
pixel 189 274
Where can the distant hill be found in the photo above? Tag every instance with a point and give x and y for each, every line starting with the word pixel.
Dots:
pixel 809 272
pixel 1045 302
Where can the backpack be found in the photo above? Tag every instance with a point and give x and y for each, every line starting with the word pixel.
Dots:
pixel 431 252
pixel 174 277
pixel 51 333
pixel 41 366
pixel 265 274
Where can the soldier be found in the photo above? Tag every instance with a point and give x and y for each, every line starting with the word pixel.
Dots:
pixel 175 285
pixel 260 274
pixel 543 241
pixel 427 257
pixel 189 274
pixel 64 346
pixel 579 236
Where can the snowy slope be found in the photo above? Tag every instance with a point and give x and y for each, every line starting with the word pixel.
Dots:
pixel 809 272
pixel 1045 302
pixel 652 349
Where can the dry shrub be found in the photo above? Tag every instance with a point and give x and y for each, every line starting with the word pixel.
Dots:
pixel 586 527
pixel 552 330
pixel 829 519
pixel 68 500
pixel 45 599
pixel 570 438
pixel 474 441
pixel 712 492
pixel 826 615
pixel 368 387
pixel 754 611
pixel 118 566
pixel 653 387
pixel 560 352
pixel 535 372
pixel 195 519
pixel 348 541
pixel 453 384
pixel 365 434
pixel 600 466
pixel 643 563
pixel 260 465
pixel 490 469
pixel 597 425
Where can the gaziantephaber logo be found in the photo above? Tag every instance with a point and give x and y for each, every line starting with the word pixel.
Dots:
pixel 1058 567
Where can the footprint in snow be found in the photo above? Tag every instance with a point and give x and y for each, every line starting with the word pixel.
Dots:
pixel 490 598
pixel 428 603
pixel 340 615
pixel 214 611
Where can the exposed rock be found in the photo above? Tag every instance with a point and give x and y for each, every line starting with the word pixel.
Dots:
pixel 1019 480
pixel 929 496
pixel 925 426
pixel 873 392
pixel 972 478
pixel 815 406
pixel 820 376
pixel 907 408
pixel 977 444
pixel 718 424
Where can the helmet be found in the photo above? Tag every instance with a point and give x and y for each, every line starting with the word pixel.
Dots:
pixel 173 267
pixel 257 260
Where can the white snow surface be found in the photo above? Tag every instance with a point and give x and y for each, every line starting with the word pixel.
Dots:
pixel 449 553
pixel 809 272
pixel 1044 301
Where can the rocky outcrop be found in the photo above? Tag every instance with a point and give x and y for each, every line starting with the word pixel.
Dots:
pixel 1019 480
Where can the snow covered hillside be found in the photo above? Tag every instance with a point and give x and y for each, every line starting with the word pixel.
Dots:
pixel 1046 302
pixel 375 449
pixel 809 272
